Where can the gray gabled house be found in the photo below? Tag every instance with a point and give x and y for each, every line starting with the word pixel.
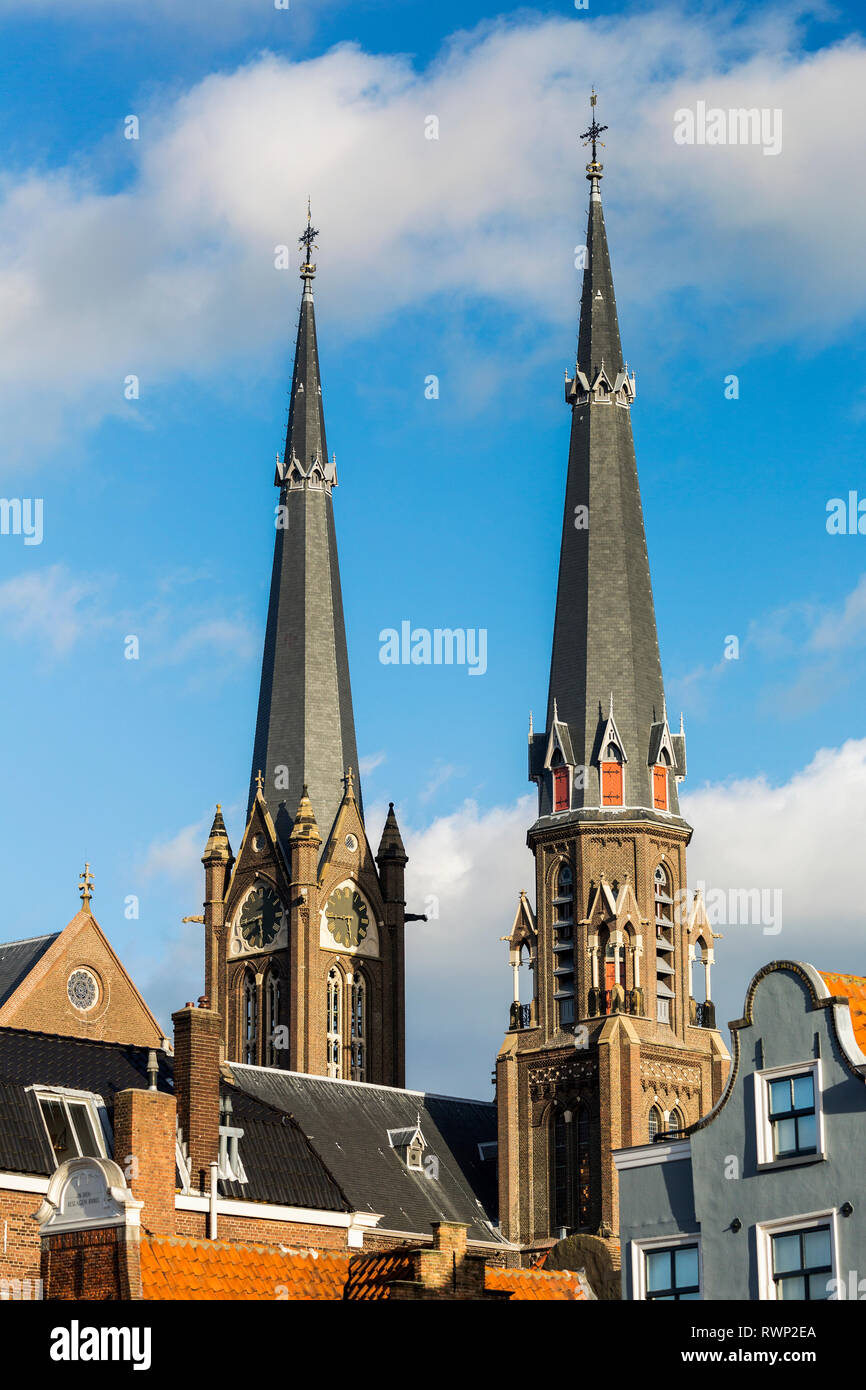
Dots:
pixel 765 1197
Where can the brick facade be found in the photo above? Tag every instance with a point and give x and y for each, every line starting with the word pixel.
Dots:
pixel 41 1002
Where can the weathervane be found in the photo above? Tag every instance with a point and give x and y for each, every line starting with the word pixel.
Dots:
pixel 591 136
pixel 85 885
pixel 307 239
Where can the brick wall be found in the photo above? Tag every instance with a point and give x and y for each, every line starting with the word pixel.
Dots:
pixel 19 1235
pixel 94 1265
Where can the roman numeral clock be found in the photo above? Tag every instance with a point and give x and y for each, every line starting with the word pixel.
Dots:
pixel 260 922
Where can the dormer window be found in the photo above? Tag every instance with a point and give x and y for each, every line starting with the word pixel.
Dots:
pixel 561 798
pixel 660 781
pixel 73 1121
pixel 231 1169
pixel 409 1144
pixel 611 776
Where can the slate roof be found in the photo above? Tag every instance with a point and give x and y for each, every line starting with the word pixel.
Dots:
pixel 280 1165
pixel 305 721
pixel 17 959
pixel 605 643
pixel 347 1123
pixel 185 1269
pixel 46 1059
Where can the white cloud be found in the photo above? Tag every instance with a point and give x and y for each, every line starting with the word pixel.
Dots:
pixel 175 273
pixel 369 762
pixel 50 607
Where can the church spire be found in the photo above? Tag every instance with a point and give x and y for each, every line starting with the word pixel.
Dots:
pixel 305 732
pixel 605 646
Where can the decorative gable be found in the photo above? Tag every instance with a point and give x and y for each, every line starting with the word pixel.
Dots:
pixel 79 988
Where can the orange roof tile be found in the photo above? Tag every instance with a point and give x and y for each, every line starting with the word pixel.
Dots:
pixel 854 988
pixel 538 1284
pixel 180 1268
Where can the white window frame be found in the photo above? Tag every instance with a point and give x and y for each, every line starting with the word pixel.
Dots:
pixel 764 1129
pixel 95 1107
pixel 641 1248
pixel 788 1225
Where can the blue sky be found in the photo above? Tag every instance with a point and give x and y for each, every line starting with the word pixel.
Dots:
pixel 452 257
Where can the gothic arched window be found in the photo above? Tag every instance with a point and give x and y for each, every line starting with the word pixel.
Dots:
pixel 563 946
pixel 249 1017
pixel 335 1022
pixel 611 776
pixel 359 1027
pixel 560 782
pixel 655 1122
pixel 571 1186
pixel 676 1123
pixel 660 781
pixel 664 925
pixel 273 1005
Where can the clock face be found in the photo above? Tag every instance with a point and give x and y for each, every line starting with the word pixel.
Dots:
pixel 260 918
pixel 82 990
pixel 347 918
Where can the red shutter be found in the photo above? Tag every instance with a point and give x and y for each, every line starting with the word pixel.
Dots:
pixel 660 788
pixel 611 784
pixel 560 789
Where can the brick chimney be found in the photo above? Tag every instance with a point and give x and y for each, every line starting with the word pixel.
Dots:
pixel 144 1147
pixel 197 1034
pixel 446 1271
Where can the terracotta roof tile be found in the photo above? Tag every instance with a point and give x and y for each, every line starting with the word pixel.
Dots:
pixel 179 1268
pixel 538 1284
pixel 191 1269
pixel 854 988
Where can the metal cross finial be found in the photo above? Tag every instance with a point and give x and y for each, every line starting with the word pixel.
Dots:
pixel 85 885
pixel 307 239
pixel 260 780
pixel 591 136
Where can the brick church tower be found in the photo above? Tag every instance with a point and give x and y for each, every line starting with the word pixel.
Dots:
pixel 618 1041
pixel 304 931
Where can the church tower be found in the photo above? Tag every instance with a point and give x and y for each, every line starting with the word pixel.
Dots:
pixel 615 1040
pixel 304 931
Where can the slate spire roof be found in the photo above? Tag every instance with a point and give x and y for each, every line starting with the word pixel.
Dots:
pixel 305 731
pixel 605 646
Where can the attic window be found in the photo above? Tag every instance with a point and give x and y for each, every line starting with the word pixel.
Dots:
pixel 660 787
pixel 73 1125
pixel 611 777
pixel 231 1168
pixel 409 1145
pixel 415 1155
pixel 560 789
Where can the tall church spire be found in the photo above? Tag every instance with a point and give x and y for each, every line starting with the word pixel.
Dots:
pixel 605 646
pixel 305 731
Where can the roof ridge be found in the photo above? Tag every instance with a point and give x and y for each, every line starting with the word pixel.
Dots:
pixel 86 1042
pixel 31 940
pixel 370 1085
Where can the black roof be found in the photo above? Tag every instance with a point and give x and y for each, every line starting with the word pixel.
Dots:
pixel 347 1123
pixel 46 1059
pixel 17 959
pixel 279 1163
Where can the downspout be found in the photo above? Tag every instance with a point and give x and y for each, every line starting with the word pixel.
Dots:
pixel 212 1215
